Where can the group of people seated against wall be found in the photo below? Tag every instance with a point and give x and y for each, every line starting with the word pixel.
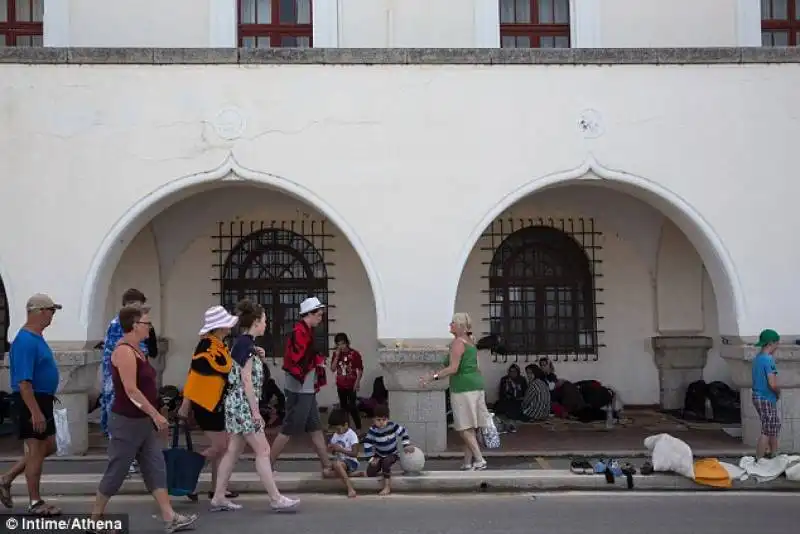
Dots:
pixel 540 393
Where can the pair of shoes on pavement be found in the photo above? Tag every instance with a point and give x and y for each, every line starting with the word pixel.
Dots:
pixel 283 504
pixel 475 466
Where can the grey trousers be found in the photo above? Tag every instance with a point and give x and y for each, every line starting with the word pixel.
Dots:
pixel 133 439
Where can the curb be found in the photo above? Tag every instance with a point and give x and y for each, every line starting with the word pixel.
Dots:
pixel 529 455
pixel 430 482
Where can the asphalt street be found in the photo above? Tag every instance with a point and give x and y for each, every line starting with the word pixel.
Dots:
pixel 565 513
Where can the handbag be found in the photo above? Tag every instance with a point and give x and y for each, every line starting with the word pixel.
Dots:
pixel 488 434
pixel 183 465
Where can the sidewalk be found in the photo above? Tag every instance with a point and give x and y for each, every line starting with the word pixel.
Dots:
pixel 508 481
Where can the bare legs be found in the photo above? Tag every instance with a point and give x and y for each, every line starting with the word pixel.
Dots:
pixel 37 451
pixel 258 442
pixel 317 441
pixel 472 451
pixel 766 444
pixel 160 495
pixel 339 470
pixel 215 452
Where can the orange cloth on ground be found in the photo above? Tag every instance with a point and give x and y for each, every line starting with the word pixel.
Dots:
pixel 709 472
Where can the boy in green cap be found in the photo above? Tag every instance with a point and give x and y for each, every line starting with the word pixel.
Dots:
pixel 766 393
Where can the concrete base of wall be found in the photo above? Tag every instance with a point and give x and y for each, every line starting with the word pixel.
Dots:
pixel 430 482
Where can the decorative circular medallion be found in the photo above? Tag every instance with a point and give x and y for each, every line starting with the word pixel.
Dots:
pixel 229 124
pixel 590 124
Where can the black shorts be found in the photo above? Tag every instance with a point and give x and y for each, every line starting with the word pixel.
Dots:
pixel 302 414
pixel 23 416
pixel 209 421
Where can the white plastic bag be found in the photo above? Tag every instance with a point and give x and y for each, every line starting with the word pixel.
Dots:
pixel 670 454
pixel 488 436
pixel 63 439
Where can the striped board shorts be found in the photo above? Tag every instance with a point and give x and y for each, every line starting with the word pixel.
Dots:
pixel 770 418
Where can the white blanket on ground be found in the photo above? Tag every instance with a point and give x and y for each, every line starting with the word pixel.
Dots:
pixel 765 469
pixel 670 454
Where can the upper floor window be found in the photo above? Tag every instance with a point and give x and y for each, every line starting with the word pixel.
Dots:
pixel 780 22
pixel 21 22
pixel 274 23
pixel 534 23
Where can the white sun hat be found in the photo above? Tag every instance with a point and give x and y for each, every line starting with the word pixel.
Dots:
pixel 310 304
pixel 217 317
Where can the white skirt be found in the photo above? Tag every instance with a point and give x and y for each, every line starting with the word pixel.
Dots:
pixel 469 410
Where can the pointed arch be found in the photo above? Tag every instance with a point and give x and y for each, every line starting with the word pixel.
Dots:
pixel 731 304
pixel 106 258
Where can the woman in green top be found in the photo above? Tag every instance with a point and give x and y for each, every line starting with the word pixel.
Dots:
pixel 467 396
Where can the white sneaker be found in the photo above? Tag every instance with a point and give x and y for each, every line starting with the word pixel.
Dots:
pixel 284 504
pixel 479 466
pixel 466 467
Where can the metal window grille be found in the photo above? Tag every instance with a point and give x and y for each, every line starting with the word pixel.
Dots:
pixel 544 287
pixel 277 264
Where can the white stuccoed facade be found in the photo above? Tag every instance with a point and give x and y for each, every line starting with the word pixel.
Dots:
pixel 683 170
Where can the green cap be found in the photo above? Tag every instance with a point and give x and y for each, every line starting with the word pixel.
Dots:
pixel 767 337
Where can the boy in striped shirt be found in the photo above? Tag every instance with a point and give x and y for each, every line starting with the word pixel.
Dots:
pixel 381 444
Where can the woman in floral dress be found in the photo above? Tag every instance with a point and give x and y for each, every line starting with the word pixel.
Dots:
pixel 243 420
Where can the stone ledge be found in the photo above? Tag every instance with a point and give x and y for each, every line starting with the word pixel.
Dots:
pixel 400 56
pixel 430 482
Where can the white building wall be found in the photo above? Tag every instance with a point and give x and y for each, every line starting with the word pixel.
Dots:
pixel 134 23
pixel 410 162
pixel 418 23
pixel 402 23
pixel 676 23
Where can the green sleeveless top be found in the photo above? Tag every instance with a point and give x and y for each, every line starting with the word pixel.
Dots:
pixel 468 377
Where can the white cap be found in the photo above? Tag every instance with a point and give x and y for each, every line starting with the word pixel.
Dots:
pixel 217 317
pixel 310 304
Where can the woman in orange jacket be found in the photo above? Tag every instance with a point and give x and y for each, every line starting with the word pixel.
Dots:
pixel 204 391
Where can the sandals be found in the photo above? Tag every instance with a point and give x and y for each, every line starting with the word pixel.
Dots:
pixel 42 509
pixel 5 495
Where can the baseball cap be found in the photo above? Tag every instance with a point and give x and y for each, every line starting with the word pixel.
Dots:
pixel 767 337
pixel 40 301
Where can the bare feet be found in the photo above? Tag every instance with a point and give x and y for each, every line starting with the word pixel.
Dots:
pixel 351 493
pixel 384 492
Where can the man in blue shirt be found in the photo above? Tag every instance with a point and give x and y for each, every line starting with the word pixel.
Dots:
pixel 34 382
pixel 766 393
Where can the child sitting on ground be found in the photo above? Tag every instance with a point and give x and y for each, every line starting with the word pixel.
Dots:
pixel 381 446
pixel 344 448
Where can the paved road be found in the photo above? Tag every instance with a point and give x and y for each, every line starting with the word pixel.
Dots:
pixel 571 513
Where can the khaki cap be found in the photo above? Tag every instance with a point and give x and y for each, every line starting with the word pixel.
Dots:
pixel 40 301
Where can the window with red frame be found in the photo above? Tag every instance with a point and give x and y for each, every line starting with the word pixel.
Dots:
pixel 534 23
pixel 21 22
pixel 275 23
pixel 780 22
